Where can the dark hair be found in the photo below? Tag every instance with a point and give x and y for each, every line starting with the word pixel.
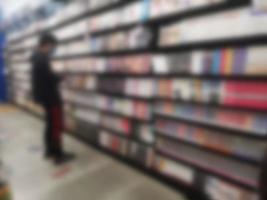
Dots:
pixel 47 38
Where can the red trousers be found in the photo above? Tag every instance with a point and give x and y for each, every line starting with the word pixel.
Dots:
pixel 53 130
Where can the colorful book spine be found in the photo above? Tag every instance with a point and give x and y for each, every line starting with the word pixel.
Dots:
pixel 240 60
pixel 227 61
pixel 217 57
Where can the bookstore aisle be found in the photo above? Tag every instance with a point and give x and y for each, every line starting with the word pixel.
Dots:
pixel 92 176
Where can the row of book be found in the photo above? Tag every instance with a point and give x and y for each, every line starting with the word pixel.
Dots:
pixel 75 29
pixel 114 143
pixel 242 94
pixel 21 76
pixel 218 189
pixel 121 125
pixel 136 38
pixel 214 187
pixel 70 11
pixel 21 67
pixel 77 47
pixel 131 108
pixel 212 139
pixel 236 120
pixel 242 23
pixel 21 56
pixel 86 82
pixel 132 87
pixel 135 12
pixel 144 10
pixel 132 64
pixel 88 115
pixel 225 61
pixel 124 147
pixel 235 170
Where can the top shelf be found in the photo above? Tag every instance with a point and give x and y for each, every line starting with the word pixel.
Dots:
pixel 154 22
pixel 88 13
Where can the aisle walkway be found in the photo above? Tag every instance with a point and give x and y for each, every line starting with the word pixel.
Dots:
pixel 93 176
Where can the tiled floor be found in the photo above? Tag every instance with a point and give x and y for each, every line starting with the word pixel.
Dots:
pixel 93 176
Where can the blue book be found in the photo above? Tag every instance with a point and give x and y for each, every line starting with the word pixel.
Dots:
pixel 216 62
pixel 145 10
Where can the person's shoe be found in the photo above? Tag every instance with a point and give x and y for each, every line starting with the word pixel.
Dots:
pixel 64 159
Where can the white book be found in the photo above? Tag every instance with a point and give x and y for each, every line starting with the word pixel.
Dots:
pixel 175 169
pixel 256 60
pixel 160 64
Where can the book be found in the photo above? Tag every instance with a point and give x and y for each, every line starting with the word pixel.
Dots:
pixel 145 133
pixel 245 94
pixel 219 189
pixel 113 143
pixel 174 170
pixel 256 61
pixel 141 154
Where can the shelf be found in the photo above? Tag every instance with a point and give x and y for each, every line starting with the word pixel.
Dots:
pixel 86 14
pixel 111 94
pixel 125 96
pixel 120 134
pixel 211 105
pixel 164 19
pixel 123 135
pixel 64 41
pixel 223 129
pixel 245 77
pixel 123 115
pixel 226 177
pixel 159 20
pixel 232 156
pixel 255 40
pixel 110 74
pixel 114 113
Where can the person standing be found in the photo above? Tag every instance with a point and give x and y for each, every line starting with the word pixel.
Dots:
pixel 46 92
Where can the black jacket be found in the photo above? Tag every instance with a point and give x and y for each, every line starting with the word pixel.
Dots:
pixel 45 83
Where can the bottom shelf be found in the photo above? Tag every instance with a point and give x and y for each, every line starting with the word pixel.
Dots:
pixel 188 190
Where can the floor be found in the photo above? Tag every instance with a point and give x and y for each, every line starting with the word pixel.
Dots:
pixel 92 176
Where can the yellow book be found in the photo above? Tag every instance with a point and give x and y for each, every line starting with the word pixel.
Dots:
pixel 229 55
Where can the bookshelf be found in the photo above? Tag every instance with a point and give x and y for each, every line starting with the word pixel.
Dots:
pixel 164 86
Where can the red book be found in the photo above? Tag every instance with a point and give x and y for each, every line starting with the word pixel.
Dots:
pixel 245 94
pixel 223 61
pixel 232 118
pixel 126 125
